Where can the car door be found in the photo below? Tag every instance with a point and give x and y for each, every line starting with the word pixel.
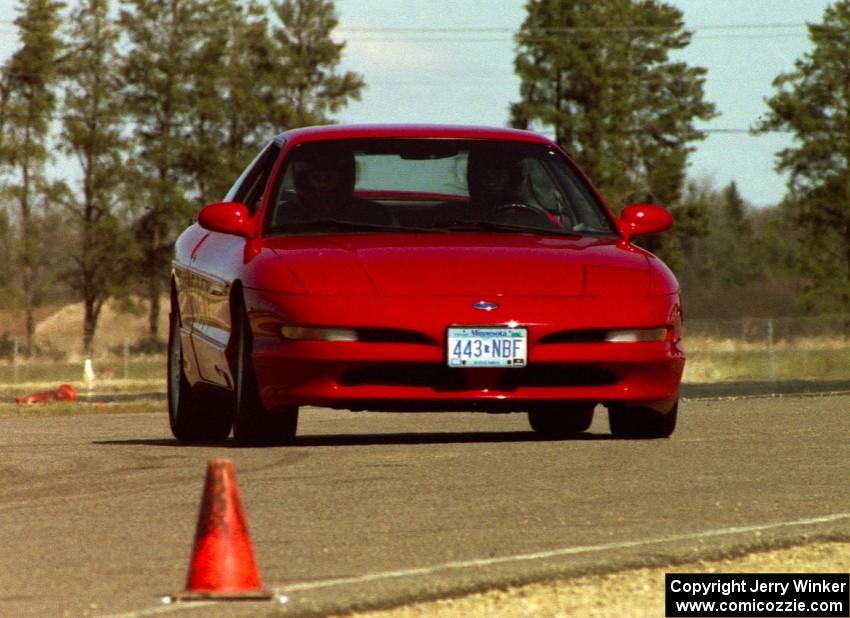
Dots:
pixel 214 266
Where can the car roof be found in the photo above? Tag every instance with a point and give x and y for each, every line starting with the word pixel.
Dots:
pixel 438 131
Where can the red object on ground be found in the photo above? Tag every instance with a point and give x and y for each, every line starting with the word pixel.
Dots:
pixel 223 565
pixel 65 392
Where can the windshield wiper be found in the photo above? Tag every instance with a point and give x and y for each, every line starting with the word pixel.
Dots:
pixel 333 225
pixel 338 225
pixel 499 226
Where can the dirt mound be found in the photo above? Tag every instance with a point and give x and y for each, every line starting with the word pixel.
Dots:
pixel 61 333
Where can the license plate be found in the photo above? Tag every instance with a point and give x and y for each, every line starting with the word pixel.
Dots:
pixel 487 347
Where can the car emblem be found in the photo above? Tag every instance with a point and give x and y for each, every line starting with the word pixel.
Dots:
pixel 483 305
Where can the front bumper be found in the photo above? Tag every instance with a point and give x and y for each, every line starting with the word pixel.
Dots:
pixel 411 372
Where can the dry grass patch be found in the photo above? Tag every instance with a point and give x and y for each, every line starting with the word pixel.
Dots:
pixel 61 333
pixel 707 365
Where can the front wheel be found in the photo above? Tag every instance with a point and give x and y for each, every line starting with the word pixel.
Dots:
pixel 636 422
pixel 560 420
pixel 193 415
pixel 252 423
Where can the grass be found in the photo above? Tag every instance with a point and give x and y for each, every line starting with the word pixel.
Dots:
pixel 113 387
pixel 728 361
pixel 79 409
pixel 141 368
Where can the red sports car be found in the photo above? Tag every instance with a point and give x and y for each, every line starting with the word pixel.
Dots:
pixel 421 268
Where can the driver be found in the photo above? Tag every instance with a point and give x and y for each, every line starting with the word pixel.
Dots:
pixel 324 178
pixel 499 190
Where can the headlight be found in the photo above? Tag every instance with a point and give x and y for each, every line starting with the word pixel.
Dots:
pixel 319 334
pixel 636 334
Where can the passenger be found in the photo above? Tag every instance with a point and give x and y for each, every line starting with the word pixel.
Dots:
pixel 494 178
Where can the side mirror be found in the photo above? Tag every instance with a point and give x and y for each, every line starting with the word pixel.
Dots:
pixel 227 218
pixel 639 219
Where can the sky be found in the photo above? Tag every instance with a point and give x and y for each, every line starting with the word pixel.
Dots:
pixel 451 61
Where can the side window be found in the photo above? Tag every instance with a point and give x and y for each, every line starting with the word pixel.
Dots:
pixel 580 201
pixel 543 188
pixel 285 199
pixel 250 186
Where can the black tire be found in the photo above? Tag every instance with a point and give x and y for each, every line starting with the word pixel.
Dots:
pixel 560 420
pixel 194 415
pixel 252 423
pixel 635 422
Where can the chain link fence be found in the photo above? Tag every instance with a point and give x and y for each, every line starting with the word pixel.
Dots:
pixel 771 349
pixel 120 368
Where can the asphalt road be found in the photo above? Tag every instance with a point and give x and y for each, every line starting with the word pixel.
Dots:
pixel 98 513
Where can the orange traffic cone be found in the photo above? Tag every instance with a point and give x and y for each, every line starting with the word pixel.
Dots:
pixel 223 564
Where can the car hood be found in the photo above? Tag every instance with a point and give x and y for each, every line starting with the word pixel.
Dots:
pixel 461 264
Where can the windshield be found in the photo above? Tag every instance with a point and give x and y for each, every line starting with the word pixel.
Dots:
pixel 432 185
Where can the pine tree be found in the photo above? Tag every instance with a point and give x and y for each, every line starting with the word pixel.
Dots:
pixel 7 258
pixel 93 117
pixel 735 211
pixel 162 36
pixel 229 86
pixel 203 130
pixel 735 227
pixel 728 251
pixel 813 103
pixel 28 100
pixel 308 86
pixel 679 246
pixel 600 76
pixel 252 72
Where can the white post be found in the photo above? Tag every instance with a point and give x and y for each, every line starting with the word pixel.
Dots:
pixel 88 374
pixel 771 367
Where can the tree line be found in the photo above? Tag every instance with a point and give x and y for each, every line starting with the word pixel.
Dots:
pixel 161 103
